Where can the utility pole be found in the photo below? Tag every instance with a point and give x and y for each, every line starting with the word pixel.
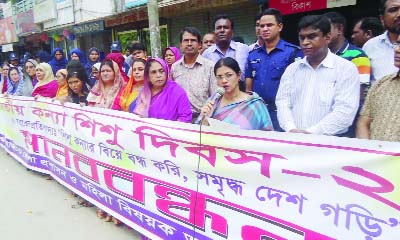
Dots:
pixel 154 27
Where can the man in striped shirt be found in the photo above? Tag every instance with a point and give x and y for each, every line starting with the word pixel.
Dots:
pixel 318 94
pixel 341 47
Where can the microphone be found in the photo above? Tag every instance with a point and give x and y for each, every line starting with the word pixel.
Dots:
pixel 217 95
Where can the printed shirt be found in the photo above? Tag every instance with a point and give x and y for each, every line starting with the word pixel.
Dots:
pixel 359 58
pixel 198 80
pixel 381 53
pixel 382 105
pixel 322 100
pixel 266 69
pixel 236 50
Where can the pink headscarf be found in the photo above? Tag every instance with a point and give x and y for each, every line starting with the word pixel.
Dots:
pixel 119 59
pixel 98 98
pixel 144 97
pixel 176 52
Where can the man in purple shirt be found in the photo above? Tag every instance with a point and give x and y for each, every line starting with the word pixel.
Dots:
pixel 224 46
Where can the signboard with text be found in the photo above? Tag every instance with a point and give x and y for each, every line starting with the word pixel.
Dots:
pixel 297 6
pixel 164 180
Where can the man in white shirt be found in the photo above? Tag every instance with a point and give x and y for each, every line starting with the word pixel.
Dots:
pixel 380 49
pixel 318 94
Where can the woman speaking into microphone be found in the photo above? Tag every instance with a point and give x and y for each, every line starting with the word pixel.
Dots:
pixel 247 110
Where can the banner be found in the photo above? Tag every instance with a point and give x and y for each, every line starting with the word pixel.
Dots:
pixel 298 6
pixel 171 180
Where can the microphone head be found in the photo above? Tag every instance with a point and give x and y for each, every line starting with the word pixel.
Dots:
pixel 220 91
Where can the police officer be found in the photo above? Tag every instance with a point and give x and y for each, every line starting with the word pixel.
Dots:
pixel 265 65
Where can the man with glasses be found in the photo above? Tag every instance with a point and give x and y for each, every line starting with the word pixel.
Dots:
pixel 193 72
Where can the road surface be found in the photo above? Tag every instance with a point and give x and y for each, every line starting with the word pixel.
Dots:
pixel 32 207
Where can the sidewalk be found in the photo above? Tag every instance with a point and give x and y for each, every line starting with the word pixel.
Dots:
pixel 35 208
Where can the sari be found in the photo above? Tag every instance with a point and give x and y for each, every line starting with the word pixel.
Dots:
pixel 98 98
pixel 16 89
pixel 48 86
pixel 171 103
pixel 250 114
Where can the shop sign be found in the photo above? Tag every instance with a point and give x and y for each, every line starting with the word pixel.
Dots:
pixel 7 31
pixel 134 16
pixel 7 47
pixel 297 6
pixel 44 10
pixel 89 27
pixel 134 3
pixel 24 23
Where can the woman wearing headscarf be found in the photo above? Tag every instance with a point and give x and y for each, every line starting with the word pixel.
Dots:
pixel 58 61
pixel 61 77
pixel 15 82
pixel 105 91
pixel 30 70
pixel 135 84
pixel 93 57
pixel 77 54
pixel 172 54
pixel 161 97
pixel 4 76
pixel 120 60
pixel 46 86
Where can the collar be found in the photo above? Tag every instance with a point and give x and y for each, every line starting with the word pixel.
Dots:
pixel 199 60
pixel 233 45
pixel 344 47
pixel 328 62
pixel 384 38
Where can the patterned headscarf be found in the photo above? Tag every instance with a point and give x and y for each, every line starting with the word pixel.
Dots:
pixel 98 97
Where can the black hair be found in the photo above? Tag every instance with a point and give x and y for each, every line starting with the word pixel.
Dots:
pixel 192 30
pixel 373 24
pixel 109 63
pixel 224 16
pixel 382 6
pixel 139 60
pixel 337 19
pixel 11 69
pixel 227 62
pixel 257 18
pixel 316 22
pixel 138 46
pixel 274 12
pixel 77 70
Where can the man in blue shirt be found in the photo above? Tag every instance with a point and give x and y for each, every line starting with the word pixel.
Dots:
pixel 265 65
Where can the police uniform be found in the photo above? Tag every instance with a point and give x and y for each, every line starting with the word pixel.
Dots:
pixel 266 70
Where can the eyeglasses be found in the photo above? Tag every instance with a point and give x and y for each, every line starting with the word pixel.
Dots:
pixel 227 76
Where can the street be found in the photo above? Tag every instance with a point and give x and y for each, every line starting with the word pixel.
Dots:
pixel 33 207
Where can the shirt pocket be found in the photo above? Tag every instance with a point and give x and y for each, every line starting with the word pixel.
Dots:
pixel 327 92
pixel 277 71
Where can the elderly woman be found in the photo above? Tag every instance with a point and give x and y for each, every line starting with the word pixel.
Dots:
pixel 105 90
pixel 47 85
pixel 15 82
pixel 246 110
pixel 61 77
pixel 160 97
pixel 135 84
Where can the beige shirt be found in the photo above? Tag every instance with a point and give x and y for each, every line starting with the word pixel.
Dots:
pixel 382 105
pixel 198 80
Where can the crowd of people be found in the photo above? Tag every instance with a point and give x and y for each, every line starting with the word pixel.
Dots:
pixel 319 87
pixel 325 86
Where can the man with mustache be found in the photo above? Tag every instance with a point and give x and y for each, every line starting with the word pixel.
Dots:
pixel 193 72
pixel 380 49
pixel 318 94
pixel 224 46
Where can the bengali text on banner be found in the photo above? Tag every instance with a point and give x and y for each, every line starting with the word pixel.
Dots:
pixel 168 180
